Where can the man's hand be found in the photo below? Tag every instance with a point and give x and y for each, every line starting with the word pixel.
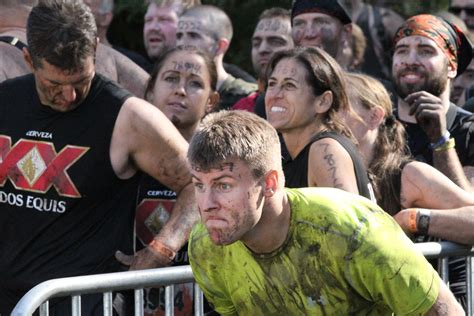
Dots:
pixel 143 259
pixel 429 112
pixel 403 219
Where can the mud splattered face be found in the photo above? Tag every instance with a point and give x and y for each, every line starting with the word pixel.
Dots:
pixel 419 65
pixel 230 200
pixel 317 30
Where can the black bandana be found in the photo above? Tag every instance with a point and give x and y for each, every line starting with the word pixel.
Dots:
pixel 329 7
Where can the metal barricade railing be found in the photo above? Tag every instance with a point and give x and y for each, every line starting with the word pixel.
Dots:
pixel 138 280
pixel 106 284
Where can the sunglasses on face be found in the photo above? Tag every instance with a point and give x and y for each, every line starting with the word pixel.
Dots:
pixel 457 10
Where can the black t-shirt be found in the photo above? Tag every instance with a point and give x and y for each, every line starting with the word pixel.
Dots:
pixel 154 207
pixel 458 123
pixel 63 211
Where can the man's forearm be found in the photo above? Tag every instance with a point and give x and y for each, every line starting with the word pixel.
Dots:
pixel 454 225
pixel 447 161
pixel 175 232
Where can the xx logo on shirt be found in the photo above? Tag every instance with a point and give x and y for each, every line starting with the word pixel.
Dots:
pixel 36 166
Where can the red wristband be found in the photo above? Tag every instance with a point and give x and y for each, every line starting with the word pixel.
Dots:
pixel 412 220
pixel 162 249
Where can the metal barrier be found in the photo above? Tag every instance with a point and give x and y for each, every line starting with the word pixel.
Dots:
pixel 138 280
pixel 106 283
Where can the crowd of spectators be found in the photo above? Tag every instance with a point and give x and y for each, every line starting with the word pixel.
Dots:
pixel 108 158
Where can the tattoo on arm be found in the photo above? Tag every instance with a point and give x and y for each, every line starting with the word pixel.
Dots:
pixel 329 158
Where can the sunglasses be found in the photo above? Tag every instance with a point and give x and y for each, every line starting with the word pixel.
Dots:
pixel 457 10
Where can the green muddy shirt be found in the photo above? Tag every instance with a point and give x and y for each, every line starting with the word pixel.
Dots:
pixel 343 255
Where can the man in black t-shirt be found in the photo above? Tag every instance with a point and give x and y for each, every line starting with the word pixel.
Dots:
pixel 71 146
pixel 428 54
pixel 109 62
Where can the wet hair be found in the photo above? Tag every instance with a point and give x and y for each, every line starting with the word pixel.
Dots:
pixel 239 135
pixel 215 20
pixel 323 74
pixel 62 32
pixel 208 61
pixel 390 151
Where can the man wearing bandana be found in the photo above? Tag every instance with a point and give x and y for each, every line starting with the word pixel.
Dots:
pixel 428 54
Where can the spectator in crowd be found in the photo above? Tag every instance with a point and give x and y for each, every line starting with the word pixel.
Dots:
pixel 420 197
pixel 428 54
pixel 73 143
pixel 305 92
pixel 109 62
pixel 272 34
pixel 209 28
pixel 182 86
pixel 324 24
pixel 352 58
pixel 262 249
pixel 103 11
pixel 13 16
pixel 161 22
pixel 465 10
pixel 379 25
pixel 463 86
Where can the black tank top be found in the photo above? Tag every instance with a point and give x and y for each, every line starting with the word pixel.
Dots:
pixel 63 211
pixel 296 171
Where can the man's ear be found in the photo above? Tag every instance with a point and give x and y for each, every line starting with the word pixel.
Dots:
pixel 222 46
pixel 346 34
pixel 323 102
pixel 376 116
pixel 28 59
pixel 451 72
pixel 212 101
pixel 271 183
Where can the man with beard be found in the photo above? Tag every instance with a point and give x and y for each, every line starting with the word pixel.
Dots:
pixel 428 54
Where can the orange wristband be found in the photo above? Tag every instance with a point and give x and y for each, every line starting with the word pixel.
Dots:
pixel 162 249
pixel 412 220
